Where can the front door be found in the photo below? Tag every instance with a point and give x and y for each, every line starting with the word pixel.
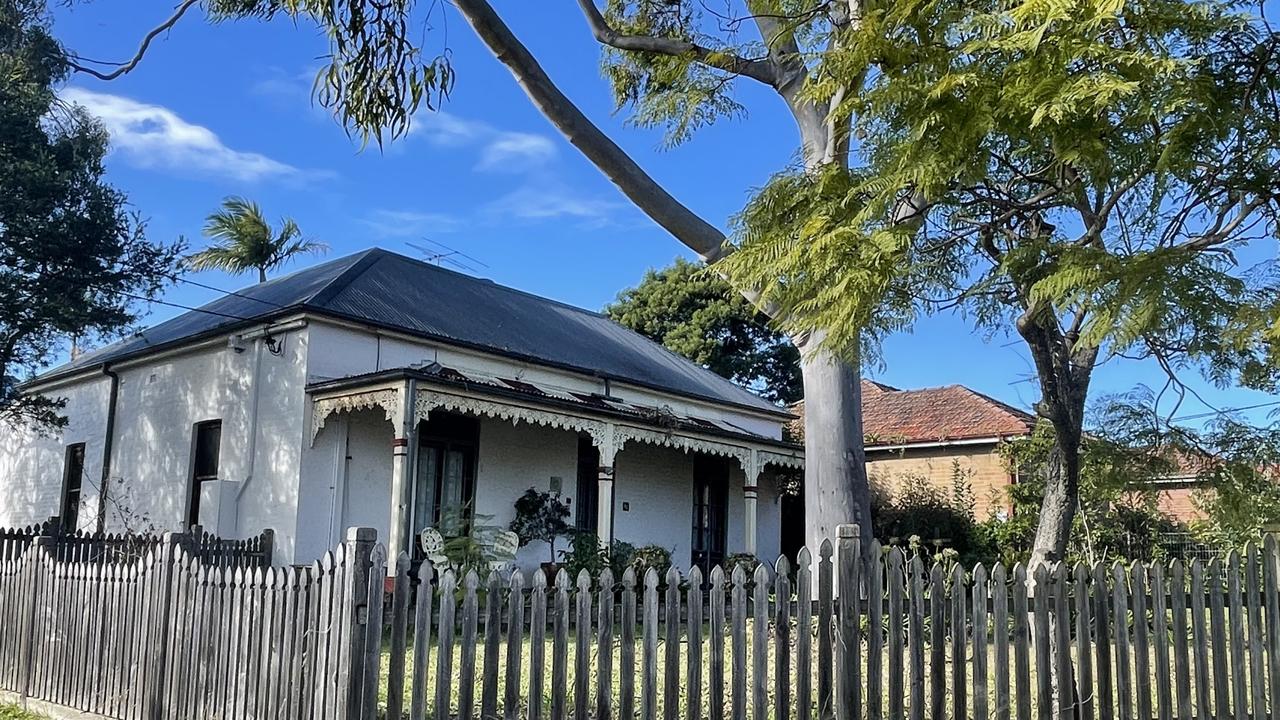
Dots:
pixel 445 485
pixel 588 495
pixel 710 501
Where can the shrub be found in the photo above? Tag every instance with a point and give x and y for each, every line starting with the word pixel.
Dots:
pixel 746 560
pixel 930 520
pixel 540 516
pixel 651 556
pixel 585 553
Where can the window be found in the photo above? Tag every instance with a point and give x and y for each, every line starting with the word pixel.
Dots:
pixel 72 478
pixel 588 484
pixel 710 511
pixel 207 445
pixel 444 488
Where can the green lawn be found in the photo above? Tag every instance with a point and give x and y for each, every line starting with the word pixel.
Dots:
pixel 705 695
pixel 13 712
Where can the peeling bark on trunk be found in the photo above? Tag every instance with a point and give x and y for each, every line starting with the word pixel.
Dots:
pixel 835 474
pixel 1061 494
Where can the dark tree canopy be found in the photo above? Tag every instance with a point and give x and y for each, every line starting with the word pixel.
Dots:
pixel 699 316
pixel 72 258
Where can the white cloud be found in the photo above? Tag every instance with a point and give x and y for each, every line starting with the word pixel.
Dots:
pixel 500 150
pixel 446 129
pixel 409 223
pixel 285 87
pixel 152 136
pixel 552 202
pixel 516 151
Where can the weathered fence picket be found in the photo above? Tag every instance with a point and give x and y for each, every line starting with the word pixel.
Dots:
pixel 880 635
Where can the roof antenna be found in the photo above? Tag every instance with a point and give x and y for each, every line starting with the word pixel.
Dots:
pixel 441 254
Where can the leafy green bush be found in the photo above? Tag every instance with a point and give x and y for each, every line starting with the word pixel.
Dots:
pixel 585 553
pixel 651 556
pixel 540 516
pixel 924 518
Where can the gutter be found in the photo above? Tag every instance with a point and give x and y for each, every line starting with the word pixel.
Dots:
pixel 107 442
pixel 990 440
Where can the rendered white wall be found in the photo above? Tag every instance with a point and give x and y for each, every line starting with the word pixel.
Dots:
pixel 158 406
pixel 32 464
pixel 514 458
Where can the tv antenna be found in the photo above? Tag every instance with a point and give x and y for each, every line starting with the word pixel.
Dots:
pixel 441 254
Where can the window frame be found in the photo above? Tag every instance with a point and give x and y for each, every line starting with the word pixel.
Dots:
pixel 197 478
pixel 447 432
pixel 69 512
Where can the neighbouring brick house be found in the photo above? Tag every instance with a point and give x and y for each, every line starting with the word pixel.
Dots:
pixel 931 432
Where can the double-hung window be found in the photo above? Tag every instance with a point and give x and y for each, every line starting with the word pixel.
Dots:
pixel 206 448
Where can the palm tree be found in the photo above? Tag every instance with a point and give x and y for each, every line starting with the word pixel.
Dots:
pixel 242 241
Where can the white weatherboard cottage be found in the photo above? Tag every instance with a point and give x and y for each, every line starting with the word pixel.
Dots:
pixel 382 391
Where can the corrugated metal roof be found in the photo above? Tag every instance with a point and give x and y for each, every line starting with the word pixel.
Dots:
pixel 393 291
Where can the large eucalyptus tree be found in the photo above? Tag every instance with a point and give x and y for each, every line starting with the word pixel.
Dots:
pixel 1077 172
pixel 673 63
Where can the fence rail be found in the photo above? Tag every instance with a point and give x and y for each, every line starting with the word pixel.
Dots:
pixel 80 546
pixel 845 635
pixel 183 625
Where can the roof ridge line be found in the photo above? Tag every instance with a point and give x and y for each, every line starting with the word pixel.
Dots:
pixel 321 297
pixel 1002 405
pixel 494 283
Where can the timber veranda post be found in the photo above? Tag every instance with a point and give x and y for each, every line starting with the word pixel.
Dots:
pixel 359 543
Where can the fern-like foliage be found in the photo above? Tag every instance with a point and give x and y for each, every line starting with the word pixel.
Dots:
pixel 1109 169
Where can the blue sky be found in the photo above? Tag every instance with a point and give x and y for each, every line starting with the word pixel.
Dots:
pixel 216 110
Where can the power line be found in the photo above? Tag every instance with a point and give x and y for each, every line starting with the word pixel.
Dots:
pixel 180 278
pixel 1225 411
pixel 180 306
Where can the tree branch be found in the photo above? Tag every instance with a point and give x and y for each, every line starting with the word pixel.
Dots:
pixel 142 49
pixel 696 233
pixel 683 224
pixel 761 70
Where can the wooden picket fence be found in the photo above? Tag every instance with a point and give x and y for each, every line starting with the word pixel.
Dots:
pixel 880 635
pixel 80 546
pixel 191 628
pixel 847 637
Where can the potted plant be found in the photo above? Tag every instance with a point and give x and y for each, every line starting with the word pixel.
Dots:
pixel 541 516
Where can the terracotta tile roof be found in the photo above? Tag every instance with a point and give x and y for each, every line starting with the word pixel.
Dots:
pixel 894 417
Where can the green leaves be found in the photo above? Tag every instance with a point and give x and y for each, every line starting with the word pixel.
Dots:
pixel 698 315
pixel 243 241
pixel 377 76
pixel 678 93
pixel 73 259
pixel 1098 160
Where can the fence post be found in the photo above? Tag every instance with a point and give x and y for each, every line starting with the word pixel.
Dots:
pixel 268 547
pixel 36 555
pixel 848 681
pixel 160 662
pixel 359 551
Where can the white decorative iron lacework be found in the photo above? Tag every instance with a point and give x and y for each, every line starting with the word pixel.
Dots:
pixel 429 400
pixel 768 457
pixel 625 433
pixel 387 399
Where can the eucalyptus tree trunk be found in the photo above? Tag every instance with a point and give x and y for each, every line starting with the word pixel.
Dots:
pixel 836 489
pixel 835 477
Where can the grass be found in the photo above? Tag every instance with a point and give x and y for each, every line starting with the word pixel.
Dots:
pixel 705 695
pixel 14 712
